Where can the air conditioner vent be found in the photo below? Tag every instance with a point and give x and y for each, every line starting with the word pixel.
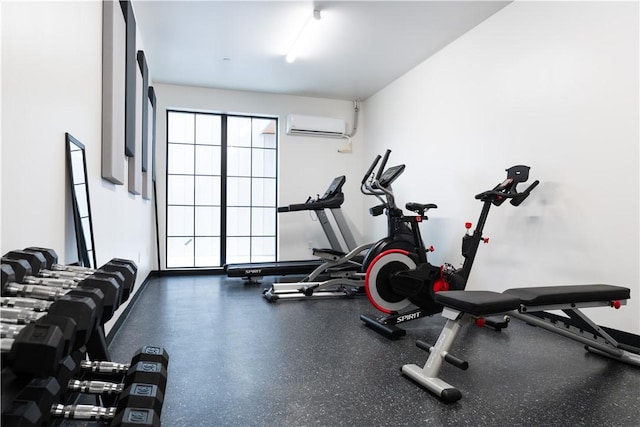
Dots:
pixel 315 126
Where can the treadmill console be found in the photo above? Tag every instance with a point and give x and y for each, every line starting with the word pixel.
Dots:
pixel 335 187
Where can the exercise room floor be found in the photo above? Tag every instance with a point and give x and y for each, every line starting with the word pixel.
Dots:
pixel 237 360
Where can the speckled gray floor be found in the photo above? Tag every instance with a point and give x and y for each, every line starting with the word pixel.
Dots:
pixel 237 360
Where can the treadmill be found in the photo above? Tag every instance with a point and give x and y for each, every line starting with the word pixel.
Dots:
pixel 331 200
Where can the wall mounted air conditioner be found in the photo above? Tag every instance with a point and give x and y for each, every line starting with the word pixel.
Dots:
pixel 315 126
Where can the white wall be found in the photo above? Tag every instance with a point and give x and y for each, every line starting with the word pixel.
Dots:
pixel 306 164
pixel 51 84
pixel 552 85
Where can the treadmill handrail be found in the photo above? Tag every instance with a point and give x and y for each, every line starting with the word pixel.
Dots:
pixel 332 198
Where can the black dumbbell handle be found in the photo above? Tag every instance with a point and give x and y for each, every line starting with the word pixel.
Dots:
pixel 6 344
pixel 83 412
pixel 50 281
pixel 10 331
pixel 103 367
pixel 95 387
pixel 73 268
pixel 25 303
pixel 106 367
pixel 49 293
pixel 20 316
pixel 63 274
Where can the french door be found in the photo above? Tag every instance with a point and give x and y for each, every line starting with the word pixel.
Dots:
pixel 221 189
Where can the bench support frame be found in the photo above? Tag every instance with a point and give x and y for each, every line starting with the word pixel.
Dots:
pixel 596 340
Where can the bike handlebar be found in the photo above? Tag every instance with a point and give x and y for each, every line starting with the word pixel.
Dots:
pixel 507 189
pixel 519 198
pixel 383 164
pixel 371 168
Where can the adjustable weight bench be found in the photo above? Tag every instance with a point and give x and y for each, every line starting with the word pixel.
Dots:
pixel 526 304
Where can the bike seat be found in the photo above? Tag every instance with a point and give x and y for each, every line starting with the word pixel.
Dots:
pixel 419 207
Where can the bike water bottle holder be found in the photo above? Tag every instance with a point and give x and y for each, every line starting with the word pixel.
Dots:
pixel 467 245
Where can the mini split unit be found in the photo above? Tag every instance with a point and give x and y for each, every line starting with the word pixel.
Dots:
pixel 316 126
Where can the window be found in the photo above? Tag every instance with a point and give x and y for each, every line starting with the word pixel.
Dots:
pixel 221 189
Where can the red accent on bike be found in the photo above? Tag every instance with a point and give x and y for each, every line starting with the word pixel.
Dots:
pixel 467 225
pixel 485 239
pixel 440 285
pixel 366 277
pixel 480 322
pixel 418 218
pixel 432 249
pixel 616 304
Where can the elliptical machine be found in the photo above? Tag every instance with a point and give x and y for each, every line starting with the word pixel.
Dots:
pixel 347 271
pixel 407 294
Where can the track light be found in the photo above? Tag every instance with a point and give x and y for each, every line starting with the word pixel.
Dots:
pixel 303 36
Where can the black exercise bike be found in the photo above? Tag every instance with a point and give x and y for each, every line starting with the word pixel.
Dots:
pixel 402 283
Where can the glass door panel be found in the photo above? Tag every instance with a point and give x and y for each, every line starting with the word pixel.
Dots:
pixel 214 217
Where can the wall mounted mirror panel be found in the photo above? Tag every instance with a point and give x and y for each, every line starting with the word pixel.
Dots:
pixel 77 168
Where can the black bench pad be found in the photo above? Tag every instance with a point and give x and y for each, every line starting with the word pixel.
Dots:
pixel 478 303
pixel 550 295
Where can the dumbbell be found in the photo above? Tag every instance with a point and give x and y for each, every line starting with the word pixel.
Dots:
pixel 26 269
pixel 35 351
pixel 143 385
pixel 148 365
pixel 27 414
pixel 38 264
pixel 67 325
pixel 148 386
pixel 77 328
pixel 49 296
pixel 37 405
pixel 75 316
pixel 126 394
pixel 16 307
pixel 29 271
pixel 40 351
pixel 52 263
pixel 24 274
pixel 127 268
pixel 80 308
pixel 96 288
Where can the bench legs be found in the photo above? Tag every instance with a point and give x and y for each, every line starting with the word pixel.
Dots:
pixel 427 376
pixel 596 340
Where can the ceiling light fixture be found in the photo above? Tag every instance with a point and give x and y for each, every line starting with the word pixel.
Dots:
pixel 307 29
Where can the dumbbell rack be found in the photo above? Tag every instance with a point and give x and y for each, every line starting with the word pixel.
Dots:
pixel 53 320
pixel 133 392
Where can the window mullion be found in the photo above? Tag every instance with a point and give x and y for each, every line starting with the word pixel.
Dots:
pixel 223 190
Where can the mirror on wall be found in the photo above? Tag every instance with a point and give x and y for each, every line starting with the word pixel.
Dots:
pixel 77 168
